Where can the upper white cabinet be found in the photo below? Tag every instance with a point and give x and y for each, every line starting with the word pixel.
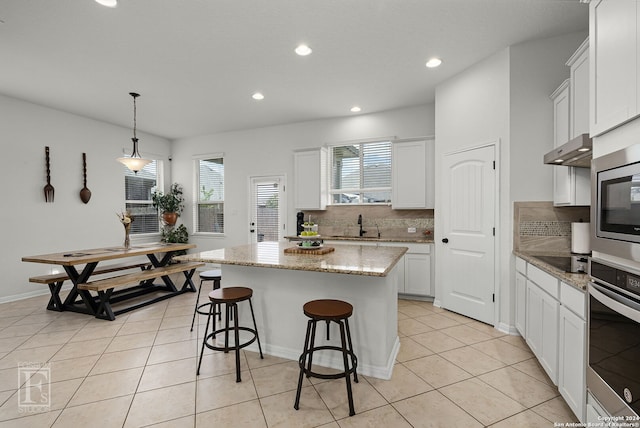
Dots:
pixel 413 175
pixel 572 185
pixel 310 174
pixel 613 55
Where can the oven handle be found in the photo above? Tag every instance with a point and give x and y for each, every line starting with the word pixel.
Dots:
pixel 615 301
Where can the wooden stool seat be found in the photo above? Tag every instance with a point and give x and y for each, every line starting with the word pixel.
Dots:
pixel 328 310
pixel 230 297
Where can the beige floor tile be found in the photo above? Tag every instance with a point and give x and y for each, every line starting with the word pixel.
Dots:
pixel 533 368
pixel 22 330
pixel 131 341
pixel 183 321
pixel 81 349
pixel 32 420
pixel 433 410
pixel 34 318
pixel 517 341
pixel 133 327
pixel 555 410
pixel 247 414
pixel 221 391
pixel 121 360
pixel 403 384
pixel 334 394
pixel 106 386
pixel 437 321
pixel 180 311
pixel 217 363
pixel 10 380
pixel 437 371
pixel 385 416
pixel 71 321
pixel 8 344
pixel 466 334
pixel 58 395
pixel 414 311
pixel 150 407
pixel 34 355
pixel 279 412
pixel 405 302
pixel 5 395
pixel 254 360
pixel 7 321
pixel 503 351
pixel 185 422
pixel 460 318
pixel 527 418
pixel 472 360
pixel 277 378
pixel 71 369
pixel 437 341
pixel 109 413
pixel 483 402
pixel 410 350
pixel 175 335
pixel 147 313
pixel 402 316
pixel 520 386
pixel 486 328
pixel 168 374
pixel 93 331
pixel 410 326
pixel 175 351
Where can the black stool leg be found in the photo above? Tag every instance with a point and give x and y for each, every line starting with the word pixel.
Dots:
pixel 196 308
pixel 226 330
pixel 234 309
pixel 204 340
pixel 346 369
pixel 354 364
pixel 253 317
pixel 216 285
pixel 311 345
pixel 302 364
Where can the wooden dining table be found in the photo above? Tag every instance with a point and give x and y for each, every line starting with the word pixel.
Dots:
pixel 81 267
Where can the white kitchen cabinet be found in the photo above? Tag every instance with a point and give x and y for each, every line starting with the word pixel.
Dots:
pixel 521 302
pixel 563 176
pixel 613 52
pixel 571 362
pixel 310 174
pixel 579 91
pixel 413 174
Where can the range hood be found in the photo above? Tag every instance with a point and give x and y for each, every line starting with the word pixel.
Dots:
pixel 576 152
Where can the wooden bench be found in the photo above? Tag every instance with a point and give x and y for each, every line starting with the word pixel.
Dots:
pixel 55 281
pixel 105 287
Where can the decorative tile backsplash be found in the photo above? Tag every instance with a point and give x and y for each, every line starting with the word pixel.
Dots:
pixel 541 227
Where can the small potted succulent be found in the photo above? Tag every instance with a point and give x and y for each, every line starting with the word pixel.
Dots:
pixel 170 204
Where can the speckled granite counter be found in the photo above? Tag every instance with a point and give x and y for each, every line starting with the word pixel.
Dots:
pixel 577 280
pixel 347 259
pixel 418 240
pixel 283 283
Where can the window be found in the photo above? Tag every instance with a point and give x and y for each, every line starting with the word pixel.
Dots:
pixel 138 188
pixel 210 210
pixel 361 173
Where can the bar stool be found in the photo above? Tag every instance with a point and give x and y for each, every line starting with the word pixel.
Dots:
pixel 214 275
pixel 328 310
pixel 230 296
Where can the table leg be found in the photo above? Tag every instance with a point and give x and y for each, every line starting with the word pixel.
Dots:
pixel 104 310
pixel 78 278
pixel 55 304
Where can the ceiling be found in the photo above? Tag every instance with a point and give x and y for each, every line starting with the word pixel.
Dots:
pixel 196 63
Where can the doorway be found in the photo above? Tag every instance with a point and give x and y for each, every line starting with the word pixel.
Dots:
pixel 469 236
pixel 268 205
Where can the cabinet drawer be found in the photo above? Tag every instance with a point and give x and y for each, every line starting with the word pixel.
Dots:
pixel 545 281
pixel 573 299
pixel 521 266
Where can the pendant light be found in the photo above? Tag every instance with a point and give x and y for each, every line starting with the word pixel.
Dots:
pixel 135 163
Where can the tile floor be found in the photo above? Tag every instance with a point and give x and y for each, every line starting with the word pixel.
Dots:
pixel 140 371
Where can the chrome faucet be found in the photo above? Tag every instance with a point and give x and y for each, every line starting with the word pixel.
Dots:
pixel 362 232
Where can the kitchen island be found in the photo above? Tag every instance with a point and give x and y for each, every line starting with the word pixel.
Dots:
pixel 365 276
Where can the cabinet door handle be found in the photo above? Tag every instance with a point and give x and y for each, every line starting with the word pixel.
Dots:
pixel 445 240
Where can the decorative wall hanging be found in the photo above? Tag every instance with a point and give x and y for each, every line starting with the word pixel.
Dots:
pixel 48 189
pixel 85 193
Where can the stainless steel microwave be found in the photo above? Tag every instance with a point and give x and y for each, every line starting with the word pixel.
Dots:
pixel 615 209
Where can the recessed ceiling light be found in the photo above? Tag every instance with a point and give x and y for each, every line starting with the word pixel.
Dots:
pixel 257 96
pixel 108 3
pixel 303 50
pixel 355 109
pixel 433 62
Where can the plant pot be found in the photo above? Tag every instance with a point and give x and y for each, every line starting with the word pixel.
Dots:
pixel 170 218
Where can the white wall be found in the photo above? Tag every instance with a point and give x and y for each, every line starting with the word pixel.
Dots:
pixel 269 151
pixel 29 225
pixel 505 98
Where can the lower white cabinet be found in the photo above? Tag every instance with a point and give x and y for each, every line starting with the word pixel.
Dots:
pixel 521 297
pixel 571 382
pixel 542 328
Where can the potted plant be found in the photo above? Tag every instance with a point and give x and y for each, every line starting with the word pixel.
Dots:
pixel 170 204
pixel 176 235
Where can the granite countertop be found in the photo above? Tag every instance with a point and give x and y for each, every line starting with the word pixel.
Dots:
pixel 348 259
pixel 421 239
pixel 577 280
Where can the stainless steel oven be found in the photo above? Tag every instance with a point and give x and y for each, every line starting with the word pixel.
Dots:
pixel 615 213
pixel 613 372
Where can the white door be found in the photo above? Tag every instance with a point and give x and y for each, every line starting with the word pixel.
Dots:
pixel 268 206
pixel 468 240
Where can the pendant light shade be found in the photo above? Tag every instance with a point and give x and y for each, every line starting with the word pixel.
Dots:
pixel 135 163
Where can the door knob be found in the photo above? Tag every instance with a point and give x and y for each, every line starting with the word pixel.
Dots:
pixel 445 240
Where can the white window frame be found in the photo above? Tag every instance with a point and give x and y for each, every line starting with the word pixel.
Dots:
pixel 160 185
pixel 360 191
pixel 196 194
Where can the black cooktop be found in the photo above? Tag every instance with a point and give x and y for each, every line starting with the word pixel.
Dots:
pixel 561 262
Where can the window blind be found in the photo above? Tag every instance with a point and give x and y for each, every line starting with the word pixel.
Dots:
pixel 138 189
pixel 210 211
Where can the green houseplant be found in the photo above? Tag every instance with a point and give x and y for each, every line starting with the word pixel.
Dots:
pixel 170 204
pixel 176 235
